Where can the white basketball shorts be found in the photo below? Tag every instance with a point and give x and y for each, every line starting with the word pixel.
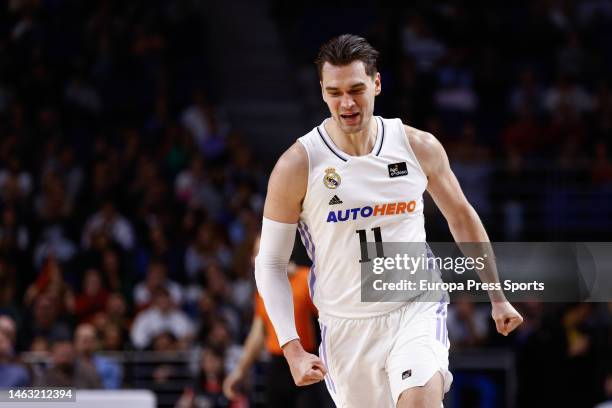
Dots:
pixel 371 361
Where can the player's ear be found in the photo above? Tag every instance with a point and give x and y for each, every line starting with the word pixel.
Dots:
pixel 377 84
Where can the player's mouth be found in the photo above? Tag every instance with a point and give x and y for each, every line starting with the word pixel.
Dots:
pixel 350 118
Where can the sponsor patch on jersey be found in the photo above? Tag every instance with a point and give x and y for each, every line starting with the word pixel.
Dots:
pixel 398 169
pixel 406 374
pixel 331 179
pixel 401 207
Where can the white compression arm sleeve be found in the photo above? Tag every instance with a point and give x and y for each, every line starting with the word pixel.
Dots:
pixel 275 246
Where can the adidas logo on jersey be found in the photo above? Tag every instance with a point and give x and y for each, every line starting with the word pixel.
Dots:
pixel 398 169
pixel 335 200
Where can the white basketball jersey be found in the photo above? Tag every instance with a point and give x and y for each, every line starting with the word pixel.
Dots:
pixel 352 197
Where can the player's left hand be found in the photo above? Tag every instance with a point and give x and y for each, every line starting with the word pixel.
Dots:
pixel 506 317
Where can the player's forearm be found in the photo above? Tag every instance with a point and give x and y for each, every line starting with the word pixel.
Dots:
pixel 252 346
pixel 471 237
pixel 271 277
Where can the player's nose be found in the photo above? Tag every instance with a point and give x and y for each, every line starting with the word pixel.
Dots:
pixel 347 102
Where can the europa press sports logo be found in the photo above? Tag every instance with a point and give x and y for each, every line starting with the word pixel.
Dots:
pixel 331 179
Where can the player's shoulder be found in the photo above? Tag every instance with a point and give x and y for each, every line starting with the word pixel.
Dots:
pixel 426 147
pixel 289 177
pixel 293 161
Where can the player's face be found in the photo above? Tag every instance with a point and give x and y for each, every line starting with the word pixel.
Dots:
pixel 349 93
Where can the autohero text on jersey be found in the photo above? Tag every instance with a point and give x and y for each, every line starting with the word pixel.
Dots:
pixel 400 207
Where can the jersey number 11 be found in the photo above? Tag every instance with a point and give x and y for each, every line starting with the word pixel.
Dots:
pixel 363 243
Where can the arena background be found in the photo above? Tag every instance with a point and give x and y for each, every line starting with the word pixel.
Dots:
pixel 136 138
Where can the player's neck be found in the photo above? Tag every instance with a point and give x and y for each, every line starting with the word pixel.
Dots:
pixel 359 143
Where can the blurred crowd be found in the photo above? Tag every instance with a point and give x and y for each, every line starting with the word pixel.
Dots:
pixel 129 206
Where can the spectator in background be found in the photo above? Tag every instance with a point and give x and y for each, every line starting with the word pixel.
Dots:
pixel 207 389
pixel 523 134
pixel 197 118
pixel 93 298
pixel 193 186
pixel 201 252
pixel 159 246
pixel 117 310
pixel 51 281
pixel 86 345
pixel 52 204
pixel 113 338
pixel 527 94
pixel 46 323
pixel 468 324
pixel 419 43
pixel 568 92
pixel 14 234
pixel 190 180
pixel 221 340
pixel 66 371
pixel 12 373
pixel 14 175
pixel 207 312
pixel 161 316
pixel 166 344
pixel 114 274
pixel 118 228
pixel 156 278
pixel 8 283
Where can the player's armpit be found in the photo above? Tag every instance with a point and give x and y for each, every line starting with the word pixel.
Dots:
pixel 287 186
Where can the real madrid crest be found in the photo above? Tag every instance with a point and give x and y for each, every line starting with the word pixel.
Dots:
pixel 331 179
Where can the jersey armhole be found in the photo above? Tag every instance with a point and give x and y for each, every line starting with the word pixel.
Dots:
pixel 303 142
pixel 406 140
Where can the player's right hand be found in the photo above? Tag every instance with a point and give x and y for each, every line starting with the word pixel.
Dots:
pixel 305 368
pixel 231 384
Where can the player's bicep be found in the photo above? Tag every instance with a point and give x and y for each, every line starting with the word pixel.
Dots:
pixel 442 184
pixel 444 187
pixel 446 192
pixel 287 186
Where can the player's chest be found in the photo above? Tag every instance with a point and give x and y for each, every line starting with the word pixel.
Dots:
pixel 360 183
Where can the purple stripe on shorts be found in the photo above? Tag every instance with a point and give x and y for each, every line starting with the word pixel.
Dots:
pixel 445 333
pixel 324 356
pixel 440 307
pixel 325 378
pixel 439 328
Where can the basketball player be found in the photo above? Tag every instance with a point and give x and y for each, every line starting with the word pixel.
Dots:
pixel 377 354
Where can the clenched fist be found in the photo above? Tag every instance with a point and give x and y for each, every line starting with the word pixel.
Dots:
pixel 506 317
pixel 305 368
